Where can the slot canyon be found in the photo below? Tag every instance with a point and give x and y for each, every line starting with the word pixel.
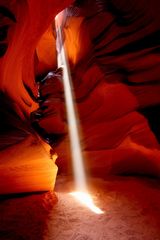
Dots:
pixel 113 56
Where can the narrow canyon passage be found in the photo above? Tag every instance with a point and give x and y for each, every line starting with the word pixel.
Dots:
pixel 131 205
pixel 113 58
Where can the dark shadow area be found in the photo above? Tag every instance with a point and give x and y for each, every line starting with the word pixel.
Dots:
pixel 25 216
pixel 152 114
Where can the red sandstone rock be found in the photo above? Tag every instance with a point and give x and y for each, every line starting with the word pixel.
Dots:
pixel 114 58
pixel 26 167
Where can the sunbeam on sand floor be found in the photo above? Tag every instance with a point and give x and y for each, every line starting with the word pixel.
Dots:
pixel 130 204
pixel 87 200
pixel 131 211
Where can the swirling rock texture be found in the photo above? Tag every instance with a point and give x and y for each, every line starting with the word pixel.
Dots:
pixel 113 51
pixel 25 163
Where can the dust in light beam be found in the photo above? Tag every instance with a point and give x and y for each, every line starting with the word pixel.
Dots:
pixel 77 159
pixel 86 199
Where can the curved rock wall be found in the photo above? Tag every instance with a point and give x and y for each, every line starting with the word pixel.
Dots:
pixel 25 161
pixel 115 75
pixel 113 51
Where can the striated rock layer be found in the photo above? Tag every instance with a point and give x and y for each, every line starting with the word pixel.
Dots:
pixel 25 163
pixel 115 73
pixel 113 52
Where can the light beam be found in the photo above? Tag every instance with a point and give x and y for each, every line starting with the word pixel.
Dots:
pixel 72 116
pixel 86 199
pixel 77 159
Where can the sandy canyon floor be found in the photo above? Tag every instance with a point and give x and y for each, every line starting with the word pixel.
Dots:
pixel 131 208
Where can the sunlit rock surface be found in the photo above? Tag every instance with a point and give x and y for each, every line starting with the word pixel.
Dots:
pixel 116 79
pixel 25 161
pixel 113 52
pixel 115 138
